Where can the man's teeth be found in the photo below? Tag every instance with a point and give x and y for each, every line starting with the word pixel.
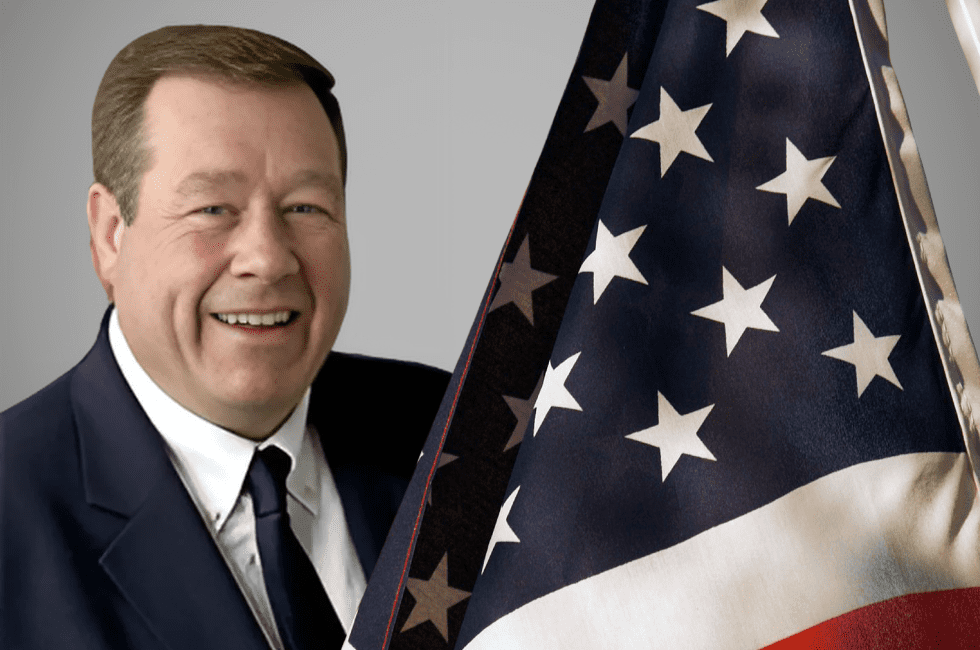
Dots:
pixel 255 320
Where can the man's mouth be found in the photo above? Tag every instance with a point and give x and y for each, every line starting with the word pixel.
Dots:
pixel 267 319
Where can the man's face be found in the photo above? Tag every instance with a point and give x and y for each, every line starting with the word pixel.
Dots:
pixel 232 281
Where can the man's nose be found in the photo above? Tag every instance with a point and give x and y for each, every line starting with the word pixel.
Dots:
pixel 263 247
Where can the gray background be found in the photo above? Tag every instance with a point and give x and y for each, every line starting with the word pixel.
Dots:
pixel 446 104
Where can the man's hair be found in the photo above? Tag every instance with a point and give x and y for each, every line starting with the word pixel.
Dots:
pixel 120 155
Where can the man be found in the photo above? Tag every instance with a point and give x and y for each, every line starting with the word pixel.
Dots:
pixel 143 495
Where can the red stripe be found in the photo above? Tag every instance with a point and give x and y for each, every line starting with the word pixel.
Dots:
pixel 938 619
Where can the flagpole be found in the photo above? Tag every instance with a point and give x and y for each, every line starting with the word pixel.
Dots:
pixel 966 22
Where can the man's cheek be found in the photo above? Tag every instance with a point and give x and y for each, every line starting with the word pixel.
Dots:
pixel 206 245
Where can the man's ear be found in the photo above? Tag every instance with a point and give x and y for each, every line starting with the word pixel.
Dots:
pixel 106 229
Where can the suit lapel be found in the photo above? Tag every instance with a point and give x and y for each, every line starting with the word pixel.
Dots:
pixel 163 560
pixel 166 564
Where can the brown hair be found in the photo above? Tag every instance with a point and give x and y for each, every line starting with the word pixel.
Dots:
pixel 119 153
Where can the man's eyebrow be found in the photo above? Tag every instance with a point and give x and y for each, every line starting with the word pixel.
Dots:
pixel 201 181
pixel 313 177
pixel 204 180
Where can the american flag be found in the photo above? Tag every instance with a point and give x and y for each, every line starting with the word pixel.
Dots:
pixel 755 414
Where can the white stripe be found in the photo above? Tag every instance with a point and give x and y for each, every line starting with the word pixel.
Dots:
pixel 867 533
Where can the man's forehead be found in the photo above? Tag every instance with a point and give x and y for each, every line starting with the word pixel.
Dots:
pixel 198 97
pixel 183 120
pixel 202 180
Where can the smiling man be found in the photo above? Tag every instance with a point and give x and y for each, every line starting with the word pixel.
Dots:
pixel 210 475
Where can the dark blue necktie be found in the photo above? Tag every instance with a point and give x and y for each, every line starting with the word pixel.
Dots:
pixel 305 618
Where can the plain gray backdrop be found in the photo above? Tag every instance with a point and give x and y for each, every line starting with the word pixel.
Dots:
pixel 446 106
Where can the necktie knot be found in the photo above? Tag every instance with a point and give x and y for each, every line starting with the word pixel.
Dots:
pixel 267 480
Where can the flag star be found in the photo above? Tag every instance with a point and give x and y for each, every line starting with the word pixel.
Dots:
pixel 502 532
pixel 674 131
pixel 433 598
pixel 521 408
pixel 802 180
pixel 675 435
pixel 615 98
pixel 739 309
pixel 553 393
pixel 868 354
pixel 741 16
pixel 611 258
pixel 518 281
pixel 444 459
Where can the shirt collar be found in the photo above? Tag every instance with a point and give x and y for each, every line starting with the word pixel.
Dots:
pixel 303 481
pixel 212 460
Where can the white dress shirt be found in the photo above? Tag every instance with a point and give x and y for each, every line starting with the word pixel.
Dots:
pixel 213 463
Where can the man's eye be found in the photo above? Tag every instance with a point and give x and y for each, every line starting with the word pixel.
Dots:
pixel 305 209
pixel 215 210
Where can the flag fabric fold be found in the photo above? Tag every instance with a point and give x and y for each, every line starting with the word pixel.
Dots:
pixel 719 393
pixel 484 415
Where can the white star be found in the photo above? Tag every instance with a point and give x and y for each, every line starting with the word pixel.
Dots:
pixel 611 258
pixel 502 532
pixel 868 355
pixel 739 309
pixel 518 281
pixel 675 131
pixel 675 435
pixel 553 392
pixel 741 16
pixel 614 96
pixel 802 180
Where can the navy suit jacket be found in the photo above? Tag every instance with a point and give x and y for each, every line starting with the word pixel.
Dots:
pixel 102 547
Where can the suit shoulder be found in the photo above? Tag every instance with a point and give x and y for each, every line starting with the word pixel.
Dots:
pixel 30 427
pixel 366 407
pixel 362 370
pixel 40 479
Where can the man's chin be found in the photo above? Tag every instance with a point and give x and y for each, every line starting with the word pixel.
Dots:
pixel 255 405
pixel 258 399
